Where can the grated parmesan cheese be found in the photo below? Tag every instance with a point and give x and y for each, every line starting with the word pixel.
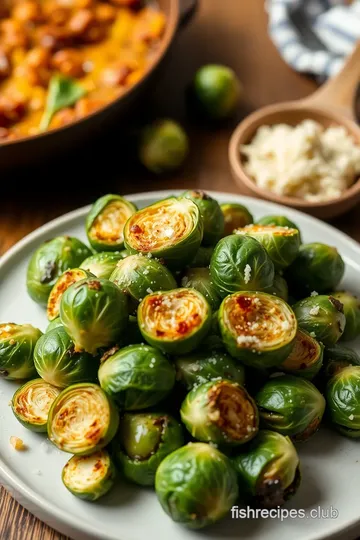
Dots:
pixel 314 293
pixel 314 310
pixel 247 274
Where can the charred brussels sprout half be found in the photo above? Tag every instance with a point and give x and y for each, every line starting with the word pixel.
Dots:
pixel 268 470
pixel 317 267
pixel 322 316
pixel 337 358
pixel 17 343
pixel 201 280
pixel 31 404
pixel 175 321
pixel 343 401
pixel 235 216
pixel 82 419
pixel 143 441
pixel 201 367
pixel 51 260
pixel 291 406
pixel 202 257
pixel 279 221
pixel 240 263
pixel 257 328
pixel 105 222
pixel 221 412
pixel 136 377
pixel 89 477
pixel 196 485
pixel 306 358
pixel 170 229
pixel 281 243
pixel 103 264
pixel 65 280
pixel 279 288
pixel 94 313
pixel 211 215
pixel 57 362
pixel 352 314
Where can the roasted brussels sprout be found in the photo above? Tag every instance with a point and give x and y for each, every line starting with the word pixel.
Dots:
pixel 279 288
pixel 201 367
pixel 322 316
pixel 105 222
pixel 31 404
pixel 343 401
pixel 291 406
pixel 17 343
pixel 211 215
pixel 58 364
pixel 143 441
pixel 103 264
pixel 257 328
pixel 281 243
pixel 89 477
pixel 163 146
pixel 317 267
pixel 94 313
pixel 196 485
pixel 136 377
pixel 268 470
pixel 200 279
pixel 221 412
pixel 306 358
pixel 51 260
pixel 338 357
pixel 351 306
pixel 240 263
pixel 82 419
pixel 63 282
pixel 53 324
pixel 171 229
pixel 202 257
pixel 235 216
pixel 175 321
pixel 279 221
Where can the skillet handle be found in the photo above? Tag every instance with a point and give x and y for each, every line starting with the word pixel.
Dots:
pixel 188 9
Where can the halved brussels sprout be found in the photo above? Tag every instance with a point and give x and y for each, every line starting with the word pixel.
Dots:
pixel 53 324
pixel 31 404
pixel 202 257
pixel 317 267
pixel 221 412
pixel 200 279
pixel 211 215
pixel 170 229
pixel 279 221
pixel 51 260
pixel 136 377
pixel 63 282
pixel 235 216
pixel 94 313
pixel 89 477
pixel 201 367
pixel 352 314
pixel 17 343
pixel 143 441
pixel 268 470
pixel 57 362
pixel 291 406
pixel 322 316
pixel 281 243
pixel 196 485
pixel 240 263
pixel 306 358
pixel 279 288
pixel 257 328
pixel 338 357
pixel 103 264
pixel 175 321
pixel 105 222
pixel 343 401
pixel 82 419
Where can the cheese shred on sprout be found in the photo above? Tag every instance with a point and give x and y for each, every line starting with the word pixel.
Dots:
pixel 314 310
pixel 247 274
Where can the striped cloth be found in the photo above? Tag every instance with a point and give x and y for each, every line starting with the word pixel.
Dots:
pixel 314 36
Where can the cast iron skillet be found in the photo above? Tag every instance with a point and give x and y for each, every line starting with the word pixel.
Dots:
pixel 34 149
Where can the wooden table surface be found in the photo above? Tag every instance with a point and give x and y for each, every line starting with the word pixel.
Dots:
pixel 231 32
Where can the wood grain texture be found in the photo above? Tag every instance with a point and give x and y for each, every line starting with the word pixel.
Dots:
pixel 231 32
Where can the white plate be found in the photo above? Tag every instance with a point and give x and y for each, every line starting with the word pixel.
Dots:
pixel 330 463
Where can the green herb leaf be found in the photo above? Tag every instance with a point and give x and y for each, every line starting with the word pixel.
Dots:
pixel 62 92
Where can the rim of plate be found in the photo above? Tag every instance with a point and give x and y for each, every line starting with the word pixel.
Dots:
pixel 11 479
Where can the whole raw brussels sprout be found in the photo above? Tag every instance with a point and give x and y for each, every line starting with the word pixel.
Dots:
pixel 221 412
pixel 17 343
pixel 200 279
pixel 94 313
pixel 279 287
pixel 51 260
pixel 279 221
pixel 343 401
pixel 240 263
pixel 31 404
pixel 62 283
pixel 306 358
pixel 268 470
pixel 352 314
pixel 103 264
pixel 136 377
pixel 105 222
pixel 322 316
pixel 338 357
pixel 144 440
pixel 291 406
pixel 196 485
pixel 211 215
pixel 202 257
pixel 235 216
